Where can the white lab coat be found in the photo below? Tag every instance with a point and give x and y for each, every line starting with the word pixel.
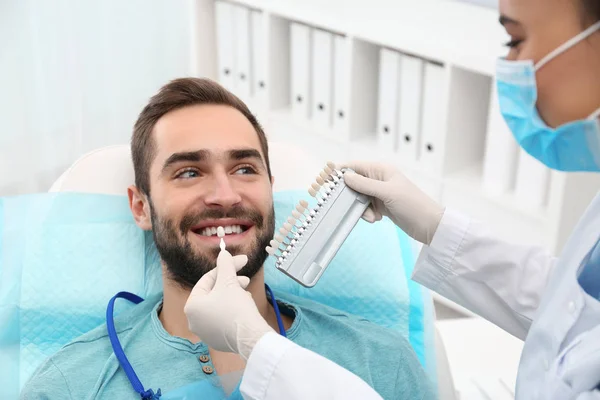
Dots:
pixel 530 294
pixel 280 369
pixel 520 288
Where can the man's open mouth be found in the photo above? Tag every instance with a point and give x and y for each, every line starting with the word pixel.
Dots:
pixel 209 228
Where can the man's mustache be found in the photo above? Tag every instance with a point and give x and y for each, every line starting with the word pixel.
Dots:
pixel 189 220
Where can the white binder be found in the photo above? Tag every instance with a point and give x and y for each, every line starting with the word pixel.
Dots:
pixel 242 52
pixel 259 59
pixel 501 150
pixel 431 150
pixel 225 44
pixel 322 83
pixel 389 65
pixel 300 70
pixel 533 180
pixel 341 85
pixel 409 112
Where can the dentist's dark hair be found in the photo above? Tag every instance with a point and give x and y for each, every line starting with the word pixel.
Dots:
pixel 180 93
pixel 591 10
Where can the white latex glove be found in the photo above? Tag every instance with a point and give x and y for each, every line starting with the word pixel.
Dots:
pixel 222 313
pixel 395 197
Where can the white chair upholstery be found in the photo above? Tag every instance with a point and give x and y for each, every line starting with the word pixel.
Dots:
pixel 109 170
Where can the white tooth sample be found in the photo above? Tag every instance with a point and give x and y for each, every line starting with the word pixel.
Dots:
pixel 228 230
pixel 304 204
pixel 300 208
pixel 324 175
pixel 279 238
pixel 296 214
pixel 315 186
pixel 283 231
pixel 292 221
pixel 287 226
pixel 320 180
pixel 312 192
pixel 331 165
pixel 221 232
pixel 270 250
pixel 274 244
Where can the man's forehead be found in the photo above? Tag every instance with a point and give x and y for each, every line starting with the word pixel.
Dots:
pixel 216 130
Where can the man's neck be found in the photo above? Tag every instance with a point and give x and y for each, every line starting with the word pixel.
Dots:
pixel 175 322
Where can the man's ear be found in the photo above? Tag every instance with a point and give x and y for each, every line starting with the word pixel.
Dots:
pixel 272 181
pixel 140 208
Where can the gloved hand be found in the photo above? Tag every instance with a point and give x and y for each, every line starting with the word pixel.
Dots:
pixel 396 197
pixel 222 313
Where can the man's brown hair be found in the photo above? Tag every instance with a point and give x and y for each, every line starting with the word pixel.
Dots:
pixel 180 93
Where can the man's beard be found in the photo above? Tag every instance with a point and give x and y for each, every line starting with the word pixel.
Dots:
pixel 185 266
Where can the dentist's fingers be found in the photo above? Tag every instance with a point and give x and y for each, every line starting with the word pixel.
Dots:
pixel 207 282
pixel 244 281
pixel 370 215
pixel 240 261
pixel 227 267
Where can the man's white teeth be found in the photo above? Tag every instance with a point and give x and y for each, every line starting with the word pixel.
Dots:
pixel 212 230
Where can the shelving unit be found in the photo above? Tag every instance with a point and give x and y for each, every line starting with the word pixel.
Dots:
pixel 464 40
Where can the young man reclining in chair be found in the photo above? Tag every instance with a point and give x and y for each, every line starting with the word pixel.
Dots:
pixel 201 161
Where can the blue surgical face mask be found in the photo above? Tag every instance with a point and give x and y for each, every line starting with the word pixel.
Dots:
pixel 574 146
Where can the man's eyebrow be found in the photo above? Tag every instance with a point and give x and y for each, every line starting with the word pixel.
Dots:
pixel 242 154
pixel 507 20
pixel 190 156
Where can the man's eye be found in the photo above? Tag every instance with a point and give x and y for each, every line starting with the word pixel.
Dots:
pixel 187 174
pixel 245 171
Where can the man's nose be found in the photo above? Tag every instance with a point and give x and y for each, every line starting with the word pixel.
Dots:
pixel 222 193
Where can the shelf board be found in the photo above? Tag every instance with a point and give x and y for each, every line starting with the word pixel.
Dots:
pixel 462 34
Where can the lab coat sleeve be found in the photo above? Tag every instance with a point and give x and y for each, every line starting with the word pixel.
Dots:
pixel 280 369
pixel 497 280
pixel 594 395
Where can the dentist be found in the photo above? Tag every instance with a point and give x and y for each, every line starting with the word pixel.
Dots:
pixel 549 95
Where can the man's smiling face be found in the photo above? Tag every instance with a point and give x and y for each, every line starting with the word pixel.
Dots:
pixel 208 171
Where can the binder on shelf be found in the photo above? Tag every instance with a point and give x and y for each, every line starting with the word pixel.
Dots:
pixel 259 59
pixel 300 40
pixel 224 18
pixel 389 65
pixel 341 85
pixel 322 83
pixel 409 111
pixel 533 178
pixel 431 152
pixel 242 45
pixel 501 150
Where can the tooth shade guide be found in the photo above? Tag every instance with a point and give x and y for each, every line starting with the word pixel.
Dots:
pixel 220 231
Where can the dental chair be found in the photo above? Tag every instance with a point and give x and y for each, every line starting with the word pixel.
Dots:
pixel 108 170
